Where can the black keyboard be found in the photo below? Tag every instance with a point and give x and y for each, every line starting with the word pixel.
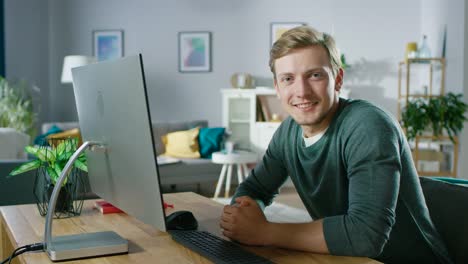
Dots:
pixel 216 249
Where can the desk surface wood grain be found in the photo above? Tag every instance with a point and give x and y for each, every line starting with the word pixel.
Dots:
pixel 20 225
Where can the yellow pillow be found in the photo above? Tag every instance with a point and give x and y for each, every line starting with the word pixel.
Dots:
pixel 182 144
pixel 72 133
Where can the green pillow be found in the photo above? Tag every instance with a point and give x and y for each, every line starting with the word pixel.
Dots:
pixel 210 140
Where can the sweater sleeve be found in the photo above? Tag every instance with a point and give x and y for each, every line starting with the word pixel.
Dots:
pixel 371 150
pixel 266 178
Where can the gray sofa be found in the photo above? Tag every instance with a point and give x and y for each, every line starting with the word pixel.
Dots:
pixel 188 171
pixel 194 172
pixel 18 189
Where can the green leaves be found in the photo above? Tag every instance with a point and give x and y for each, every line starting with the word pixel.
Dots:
pixel 26 167
pixel 16 108
pixel 53 158
pixel 45 154
pixel 81 165
pixel 438 113
pixel 52 174
pixel 344 64
pixel 60 150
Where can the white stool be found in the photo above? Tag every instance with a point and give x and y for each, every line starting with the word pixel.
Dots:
pixel 239 158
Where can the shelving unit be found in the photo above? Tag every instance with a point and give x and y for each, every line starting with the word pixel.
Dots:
pixel 433 156
pixel 436 156
pixel 432 64
pixel 247 114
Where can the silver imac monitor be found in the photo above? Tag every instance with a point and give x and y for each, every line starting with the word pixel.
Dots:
pixel 112 104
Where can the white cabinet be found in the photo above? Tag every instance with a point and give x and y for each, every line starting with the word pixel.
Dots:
pixel 263 132
pixel 244 114
pixel 238 116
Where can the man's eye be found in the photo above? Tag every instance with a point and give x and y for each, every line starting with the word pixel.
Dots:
pixel 316 75
pixel 286 79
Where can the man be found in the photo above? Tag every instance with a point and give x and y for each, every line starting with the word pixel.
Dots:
pixel 349 161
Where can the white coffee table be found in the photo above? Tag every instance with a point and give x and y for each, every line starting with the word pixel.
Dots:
pixel 239 158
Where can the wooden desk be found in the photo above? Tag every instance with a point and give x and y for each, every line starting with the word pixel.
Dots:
pixel 20 225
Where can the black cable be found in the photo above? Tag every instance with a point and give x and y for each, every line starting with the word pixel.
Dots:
pixel 14 254
pixel 22 249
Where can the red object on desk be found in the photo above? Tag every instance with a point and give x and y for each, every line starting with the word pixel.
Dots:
pixel 106 207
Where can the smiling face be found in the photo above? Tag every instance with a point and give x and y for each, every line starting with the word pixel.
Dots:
pixel 307 89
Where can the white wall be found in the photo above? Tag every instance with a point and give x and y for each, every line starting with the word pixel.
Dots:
pixel 456 68
pixel 26 47
pixel 372 34
pixel 463 168
pixel 437 14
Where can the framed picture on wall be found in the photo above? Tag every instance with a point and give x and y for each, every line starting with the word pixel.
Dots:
pixel 278 28
pixel 107 44
pixel 194 51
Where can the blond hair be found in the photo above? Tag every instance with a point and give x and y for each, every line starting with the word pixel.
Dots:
pixel 301 37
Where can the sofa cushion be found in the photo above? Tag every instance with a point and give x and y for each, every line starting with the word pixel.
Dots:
pixel 189 171
pixel 39 140
pixel 12 143
pixel 61 125
pixel 159 129
pixel 210 139
pixel 162 128
pixel 182 144
pixel 72 133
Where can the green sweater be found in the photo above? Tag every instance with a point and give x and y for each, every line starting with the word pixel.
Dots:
pixel 360 178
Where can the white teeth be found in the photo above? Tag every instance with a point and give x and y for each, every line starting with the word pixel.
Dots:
pixel 304 105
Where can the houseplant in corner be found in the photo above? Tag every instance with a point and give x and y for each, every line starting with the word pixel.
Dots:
pixel 16 107
pixel 50 160
pixel 436 115
pixel 431 121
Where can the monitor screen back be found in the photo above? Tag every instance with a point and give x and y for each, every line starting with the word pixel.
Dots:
pixel 112 105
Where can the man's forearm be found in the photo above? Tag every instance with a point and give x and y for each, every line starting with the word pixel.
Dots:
pixel 304 236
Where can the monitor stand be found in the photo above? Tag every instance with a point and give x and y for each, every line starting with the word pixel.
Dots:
pixel 86 245
pixel 80 245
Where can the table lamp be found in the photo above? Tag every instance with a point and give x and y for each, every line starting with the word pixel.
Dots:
pixel 73 61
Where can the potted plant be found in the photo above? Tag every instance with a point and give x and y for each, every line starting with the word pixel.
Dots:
pixel 16 107
pixel 344 63
pixel 49 164
pixel 437 115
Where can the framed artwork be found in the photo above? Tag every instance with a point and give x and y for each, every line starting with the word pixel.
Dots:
pixel 278 28
pixel 107 44
pixel 195 51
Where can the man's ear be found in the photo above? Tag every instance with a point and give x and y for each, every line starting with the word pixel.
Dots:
pixel 339 80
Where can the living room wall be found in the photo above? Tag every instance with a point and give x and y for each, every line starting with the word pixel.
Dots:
pixel 369 33
pixel 27 48
pixel 372 34
pixel 40 33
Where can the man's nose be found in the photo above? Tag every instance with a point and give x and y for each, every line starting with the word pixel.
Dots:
pixel 302 87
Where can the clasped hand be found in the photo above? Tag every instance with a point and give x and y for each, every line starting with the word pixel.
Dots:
pixel 245 222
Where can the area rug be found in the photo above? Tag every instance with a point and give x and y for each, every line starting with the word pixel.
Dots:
pixel 279 213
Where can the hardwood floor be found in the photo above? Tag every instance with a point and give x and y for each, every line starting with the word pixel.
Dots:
pixel 289 196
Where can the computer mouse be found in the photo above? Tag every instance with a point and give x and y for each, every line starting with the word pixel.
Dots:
pixel 181 220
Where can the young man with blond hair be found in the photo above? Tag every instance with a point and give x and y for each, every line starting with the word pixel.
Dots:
pixel 350 164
